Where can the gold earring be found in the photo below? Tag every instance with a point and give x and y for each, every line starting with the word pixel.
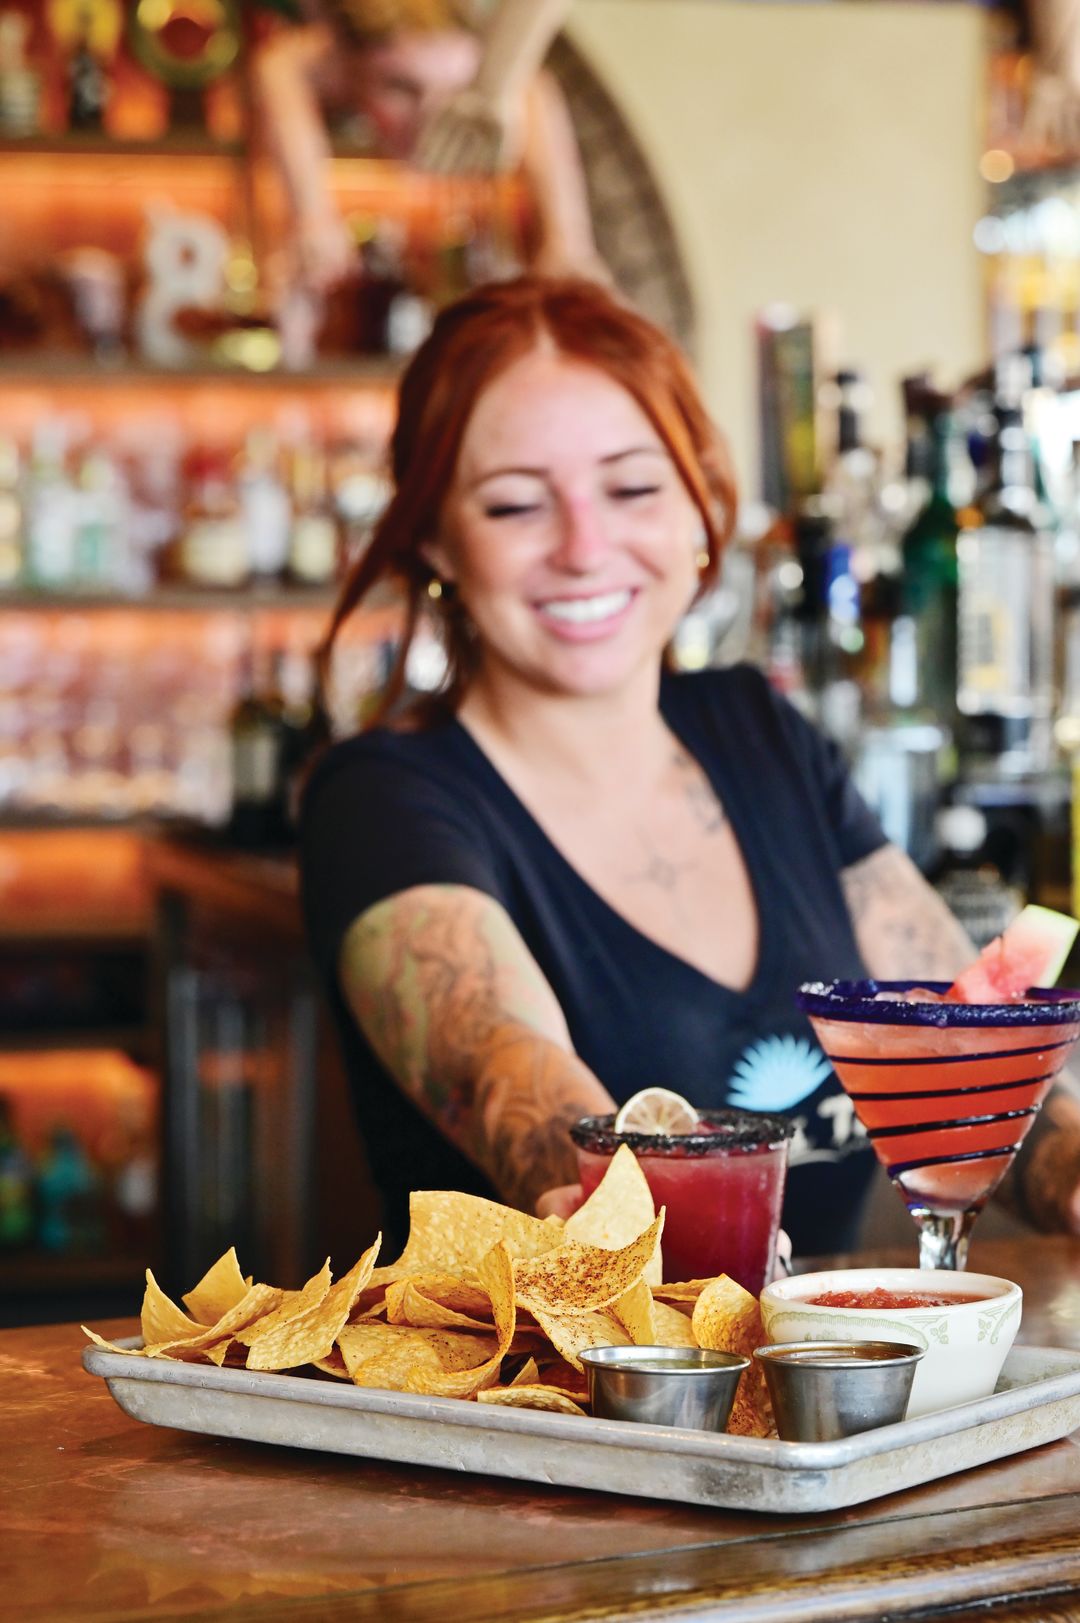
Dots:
pixel 703 560
pixel 434 587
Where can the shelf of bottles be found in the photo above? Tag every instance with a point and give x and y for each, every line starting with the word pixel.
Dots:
pixel 192 448
pixel 192 451
pixel 926 611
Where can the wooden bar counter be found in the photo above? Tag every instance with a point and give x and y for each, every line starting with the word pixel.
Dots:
pixel 103 1518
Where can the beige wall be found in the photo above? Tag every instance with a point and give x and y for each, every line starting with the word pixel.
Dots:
pixel 824 155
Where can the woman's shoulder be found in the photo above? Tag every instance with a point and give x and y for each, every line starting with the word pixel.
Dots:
pixel 388 753
pixel 728 691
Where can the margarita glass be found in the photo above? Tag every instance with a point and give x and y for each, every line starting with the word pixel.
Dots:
pixel 945 1091
pixel 722 1185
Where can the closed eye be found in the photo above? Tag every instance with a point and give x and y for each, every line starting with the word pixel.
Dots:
pixel 629 493
pixel 510 510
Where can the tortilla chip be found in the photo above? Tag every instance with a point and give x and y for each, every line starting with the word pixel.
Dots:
pixel 408 1303
pixel 312 1332
pixel 530 1397
pixel 110 1346
pixel 619 1209
pixel 496 1275
pixel 219 1289
pixel 333 1365
pixel 687 1290
pixel 728 1319
pixel 569 1333
pixel 636 1312
pixel 527 1375
pixel 451 1233
pixel 292 1304
pixel 672 1328
pixel 403 1347
pixel 161 1319
pixel 579 1278
pixel 258 1300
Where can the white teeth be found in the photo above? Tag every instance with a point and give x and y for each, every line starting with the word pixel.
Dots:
pixel 582 610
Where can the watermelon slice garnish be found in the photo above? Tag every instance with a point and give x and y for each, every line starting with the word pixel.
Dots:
pixel 1031 952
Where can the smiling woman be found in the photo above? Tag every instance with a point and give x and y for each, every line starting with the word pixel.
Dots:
pixel 574 874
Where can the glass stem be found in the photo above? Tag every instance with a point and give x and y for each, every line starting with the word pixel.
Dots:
pixel 943 1236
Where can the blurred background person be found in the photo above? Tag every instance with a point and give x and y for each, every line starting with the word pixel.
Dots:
pixel 438 84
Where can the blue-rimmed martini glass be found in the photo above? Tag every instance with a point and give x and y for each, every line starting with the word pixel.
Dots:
pixel 945 1091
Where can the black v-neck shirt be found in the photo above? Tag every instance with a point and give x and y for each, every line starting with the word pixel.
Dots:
pixel 389 810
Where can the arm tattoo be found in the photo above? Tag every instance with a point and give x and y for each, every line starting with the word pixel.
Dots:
pixel 457 1010
pixel 902 927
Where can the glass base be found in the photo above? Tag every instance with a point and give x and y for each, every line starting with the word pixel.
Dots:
pixel 943 1236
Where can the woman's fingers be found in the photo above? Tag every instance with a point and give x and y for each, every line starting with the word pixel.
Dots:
pixel 561 1202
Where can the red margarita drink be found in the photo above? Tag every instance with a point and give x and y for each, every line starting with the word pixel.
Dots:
pixel 946 1091
pixel 722 1185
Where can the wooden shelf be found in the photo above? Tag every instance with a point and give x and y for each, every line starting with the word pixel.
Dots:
pixel 188 147
pixel 171 598
pixel 56 369
pixel 36 1273
pixel 54 1040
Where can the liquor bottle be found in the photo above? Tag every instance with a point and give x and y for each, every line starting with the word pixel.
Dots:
pixel 20 84
pixel 967 878
pixel 313 543
pixel 69 1197
pixel 50 509
pixel 863 586
pixel 212 548
pixel 1006 609
pixel 100 541
pixel 16 1186
pixel 11 516
pixel 265 508
pixel 929 590
pixel 257 744
pixel 382 282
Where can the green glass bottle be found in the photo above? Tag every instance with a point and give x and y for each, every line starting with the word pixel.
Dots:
pixel 929 592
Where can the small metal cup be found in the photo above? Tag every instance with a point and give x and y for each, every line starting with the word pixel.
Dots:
pixel 821 1390
pixel 663 1386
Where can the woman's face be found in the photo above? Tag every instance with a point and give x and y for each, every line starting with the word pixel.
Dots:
pixel 568 533
pixel 402 82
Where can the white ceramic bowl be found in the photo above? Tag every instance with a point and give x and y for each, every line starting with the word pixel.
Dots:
pixel 965 1344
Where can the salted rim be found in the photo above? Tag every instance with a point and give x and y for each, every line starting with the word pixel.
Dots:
pixel 739 1132
pixel 858 1001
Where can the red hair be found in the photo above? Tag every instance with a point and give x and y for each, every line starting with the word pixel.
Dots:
pixel 470 344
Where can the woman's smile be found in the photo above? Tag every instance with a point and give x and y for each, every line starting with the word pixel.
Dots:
pixel 594 614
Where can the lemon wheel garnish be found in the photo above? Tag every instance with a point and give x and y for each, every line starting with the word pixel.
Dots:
pixel 659 1111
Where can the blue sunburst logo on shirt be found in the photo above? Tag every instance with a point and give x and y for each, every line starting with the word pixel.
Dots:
pixel 777 1073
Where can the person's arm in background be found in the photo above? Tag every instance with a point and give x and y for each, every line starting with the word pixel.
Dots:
pixel 1052 117
pixel 513 113
pixel 459 1013
pixel 483 129
pixel 291 73
pixel 904 930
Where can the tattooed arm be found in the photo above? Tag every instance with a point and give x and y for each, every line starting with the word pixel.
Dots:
pixel 904 930
pixel 902 927
pixel 457 1010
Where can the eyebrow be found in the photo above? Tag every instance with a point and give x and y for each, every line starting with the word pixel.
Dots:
pixel 541 473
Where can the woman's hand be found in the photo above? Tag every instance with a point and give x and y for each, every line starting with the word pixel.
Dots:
pixel 561 1202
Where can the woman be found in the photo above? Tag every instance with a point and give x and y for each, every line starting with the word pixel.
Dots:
pixel 578 875
pixel 434 91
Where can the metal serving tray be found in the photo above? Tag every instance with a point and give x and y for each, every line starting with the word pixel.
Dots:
pixel 1037 1400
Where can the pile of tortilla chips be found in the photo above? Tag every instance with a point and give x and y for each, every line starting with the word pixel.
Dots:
pixel 485 1303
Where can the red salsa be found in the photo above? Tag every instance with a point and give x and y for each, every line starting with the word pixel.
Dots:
pixel 881 1298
